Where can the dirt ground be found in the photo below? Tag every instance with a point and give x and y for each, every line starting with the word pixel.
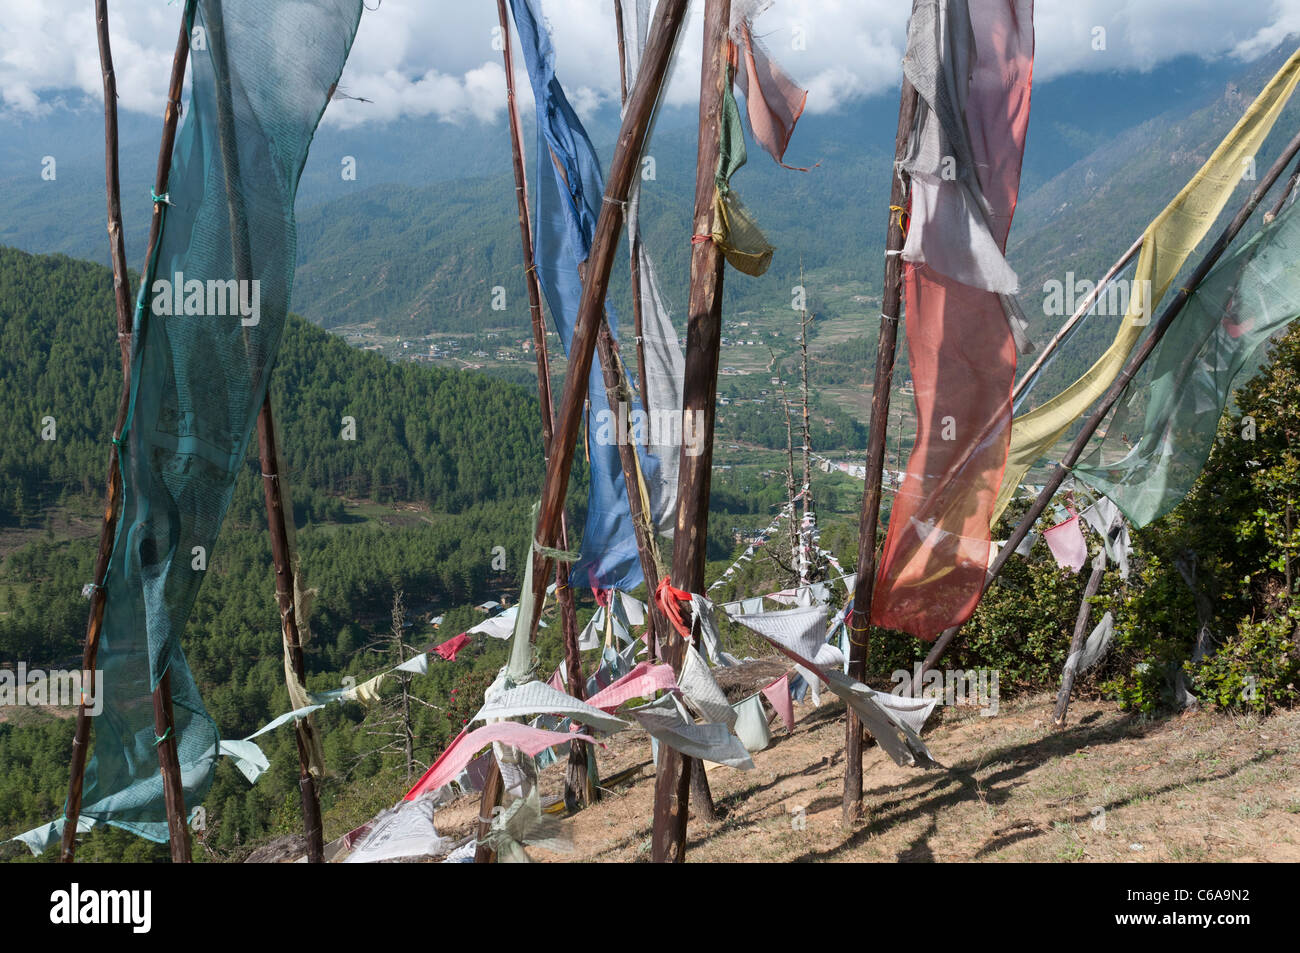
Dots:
pixel 1110 786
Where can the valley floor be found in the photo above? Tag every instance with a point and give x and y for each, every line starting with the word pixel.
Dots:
pixel 1111 786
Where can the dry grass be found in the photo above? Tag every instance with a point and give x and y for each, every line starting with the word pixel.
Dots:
pixel 1110 786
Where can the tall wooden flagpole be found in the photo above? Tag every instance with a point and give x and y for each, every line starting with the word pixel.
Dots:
pixel 703 336
pixel 277 516
pixel 891 298
pixel 808 553
pixel 169 764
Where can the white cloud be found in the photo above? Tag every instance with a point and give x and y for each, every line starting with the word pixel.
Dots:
pixel 421 58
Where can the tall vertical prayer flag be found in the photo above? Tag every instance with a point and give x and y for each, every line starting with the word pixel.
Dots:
pixel 972 64
pixel 570 189
pixel 198 381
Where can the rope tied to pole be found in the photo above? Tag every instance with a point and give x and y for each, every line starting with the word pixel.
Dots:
pixel 848 624
pixel 902 218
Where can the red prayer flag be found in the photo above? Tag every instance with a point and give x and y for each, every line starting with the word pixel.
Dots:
pixel 641 681
pixel 963 361
pixel 449 648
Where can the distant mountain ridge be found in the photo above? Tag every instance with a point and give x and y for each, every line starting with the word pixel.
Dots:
pixel 427 229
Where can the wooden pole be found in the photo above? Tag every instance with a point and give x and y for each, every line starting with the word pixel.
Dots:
pixel 796 532
pixel 703 334
pixel 122 299
pixel 1286 194
pixel 164 722
pixel 1144 351
pixel 494 789
pixel 634 246
pixel 277 525
pixel 891 298
pixel 808 552
pixel 116 238
pixel 578 789
pixel 1077 639
pixel 669 17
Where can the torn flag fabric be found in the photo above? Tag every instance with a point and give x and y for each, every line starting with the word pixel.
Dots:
pixel 1069 548
pixel 773 100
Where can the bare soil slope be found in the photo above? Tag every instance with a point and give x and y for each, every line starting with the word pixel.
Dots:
pixel 1111 786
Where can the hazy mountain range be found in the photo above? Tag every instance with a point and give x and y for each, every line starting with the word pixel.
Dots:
pixel 427 227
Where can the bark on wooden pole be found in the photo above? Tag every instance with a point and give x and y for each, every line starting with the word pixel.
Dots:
pixel 1078 638
pixel 699 399
pixel 122 300
pixel 886 344
pixel 669 16
pixel 277 526
pixel 794 525
pixel 810 560
pixel 1144 351
pixel 169 764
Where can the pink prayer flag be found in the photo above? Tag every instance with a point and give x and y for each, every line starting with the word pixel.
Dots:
pixel 461 752
pixel 773 100
pixel 557 681
pixel 449 648
pixel 1067 544
pixel 778 694
pixel 641 681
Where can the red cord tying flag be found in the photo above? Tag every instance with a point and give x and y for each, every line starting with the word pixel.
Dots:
pixel 669 600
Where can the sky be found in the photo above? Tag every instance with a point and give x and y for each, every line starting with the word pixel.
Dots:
pixel 418 58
